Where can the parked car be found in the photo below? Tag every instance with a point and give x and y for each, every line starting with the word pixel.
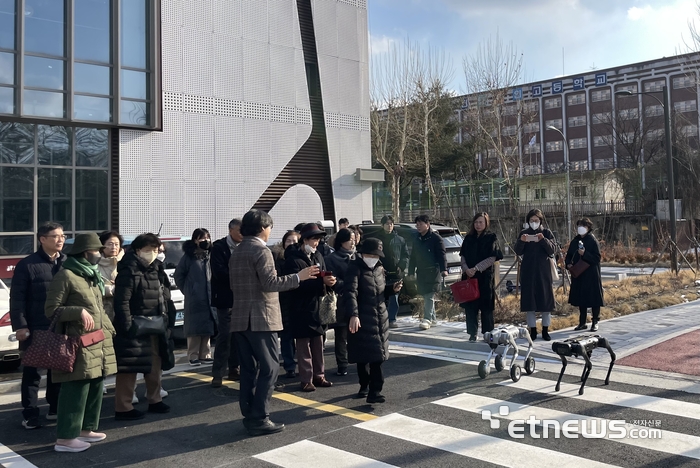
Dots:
pixel 451 237
pixel 173 254
pixel 9 346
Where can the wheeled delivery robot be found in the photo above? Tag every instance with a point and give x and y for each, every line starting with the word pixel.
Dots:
pixel 582 346
pixel 506 336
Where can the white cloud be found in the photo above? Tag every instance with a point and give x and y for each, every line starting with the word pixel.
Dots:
pixel 636 13
pixel 380 44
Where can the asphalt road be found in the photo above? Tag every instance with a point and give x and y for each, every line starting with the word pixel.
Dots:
pixel 431 418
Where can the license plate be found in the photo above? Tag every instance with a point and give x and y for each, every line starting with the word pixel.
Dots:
pixel 454 270
pixel 180 315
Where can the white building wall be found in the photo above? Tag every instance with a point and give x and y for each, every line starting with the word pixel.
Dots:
pixel 236 110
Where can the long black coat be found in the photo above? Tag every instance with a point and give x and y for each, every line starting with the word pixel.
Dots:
pixel 137 291
pixel 338 262
pixel 366 299
pixel 303 302
pixel 587 289
pixel 428 261
pixel 193 278
pixel 474 250
pixel 536 292
pixel 221 295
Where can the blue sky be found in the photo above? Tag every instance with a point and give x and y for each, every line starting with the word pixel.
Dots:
pixel 595 34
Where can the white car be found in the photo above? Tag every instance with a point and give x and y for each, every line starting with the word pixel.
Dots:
pixel 9 346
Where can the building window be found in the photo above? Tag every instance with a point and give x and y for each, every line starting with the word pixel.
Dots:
pixel 552 103
pixel 556 123
pixel 690 131
pixel 65 169
pixel 580 191
pixel 599 141
pixel 629 114
pixel 578 143
pixel 654 86
pixel 627 138
pixel 554 146
pixel 685 106
pixel 531 127
pixel 575 99
pixel 509 130
pixel 578 121
pixel 632 88
pixel 552 168
pixel 605 163
pixel 600 95
pixel 578 165
pixel 654 110
pixel 540 194
pixel 686 81
pixel 532 169
pixel 510 109
pixel 655 134
pixel 81 80
pixel 530 106
pixel 532 149
pixel 602 118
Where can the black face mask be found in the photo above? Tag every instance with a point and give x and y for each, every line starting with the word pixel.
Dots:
pixel 204 245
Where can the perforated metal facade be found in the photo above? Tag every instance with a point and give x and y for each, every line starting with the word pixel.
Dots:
pixel 236 111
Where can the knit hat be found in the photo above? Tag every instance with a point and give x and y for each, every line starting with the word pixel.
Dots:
pixel 371 246
pixel 84 242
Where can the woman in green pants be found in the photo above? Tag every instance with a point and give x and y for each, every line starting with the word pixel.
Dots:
pixel 76 294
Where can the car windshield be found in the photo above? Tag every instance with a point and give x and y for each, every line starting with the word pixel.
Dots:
pixel 452 241
pixel 173 253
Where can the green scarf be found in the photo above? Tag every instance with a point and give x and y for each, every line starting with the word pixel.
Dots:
pixel 81 267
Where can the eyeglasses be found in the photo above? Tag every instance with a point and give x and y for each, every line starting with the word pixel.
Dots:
pixel 112 244
pixel 56 236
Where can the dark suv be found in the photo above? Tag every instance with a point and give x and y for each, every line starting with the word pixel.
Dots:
pixel 451 237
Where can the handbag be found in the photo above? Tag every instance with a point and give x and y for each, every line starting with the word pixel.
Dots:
pixel 466 290
pixel 577 269
pixel 327 308
pixel 92 338
pixel 51 350
pixel 553 267
pixel 142 325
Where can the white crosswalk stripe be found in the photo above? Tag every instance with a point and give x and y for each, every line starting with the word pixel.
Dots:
pixel 610 397
pixel 307 453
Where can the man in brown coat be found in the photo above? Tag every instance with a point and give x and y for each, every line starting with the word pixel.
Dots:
pixel 256 318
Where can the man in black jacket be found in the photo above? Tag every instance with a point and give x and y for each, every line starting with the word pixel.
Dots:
pixel 30 281
pixel 429 263
pixel 395 261
pixel 222 299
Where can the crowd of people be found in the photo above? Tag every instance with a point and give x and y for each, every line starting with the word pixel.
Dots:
pixel 262 303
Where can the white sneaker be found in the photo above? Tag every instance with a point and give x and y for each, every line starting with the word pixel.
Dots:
pixel 424 325
pixel 163 393
pixel 433 322
pixel 393 324
pixel 135 399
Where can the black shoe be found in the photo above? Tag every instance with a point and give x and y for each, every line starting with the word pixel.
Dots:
pixel 533 333
pixel 207 360
pixel 279 386
pixel 264 427
pixel 377 398
pixel 217 382
pixel 362 393
pixel 342 371
pixel 159 407
pixel 195 362
pixel 234 374
pixel 290 375
pixel 594 326
pixel 132 415
pixel 32 423
pixel 472 338
pixel 583 326
pixel 545 334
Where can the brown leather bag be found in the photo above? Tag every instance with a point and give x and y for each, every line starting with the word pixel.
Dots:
pixel 578 269
pixel 92 338
pixel 51 350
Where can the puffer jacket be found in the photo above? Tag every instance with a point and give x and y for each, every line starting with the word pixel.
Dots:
pixel 366 293
pixel 73 293
pixel 338 262
pixel 137 292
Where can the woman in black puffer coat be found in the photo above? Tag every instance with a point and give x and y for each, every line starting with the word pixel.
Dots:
pixel 138 291
pixel 368 342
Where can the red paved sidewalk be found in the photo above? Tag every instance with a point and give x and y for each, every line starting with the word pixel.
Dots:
pixel 680 355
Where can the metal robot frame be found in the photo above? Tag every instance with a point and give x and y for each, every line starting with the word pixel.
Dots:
pixel 506 335
pixel 583 346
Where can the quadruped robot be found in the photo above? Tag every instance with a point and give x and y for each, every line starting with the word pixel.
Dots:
pixel 582 346
pixel 506 336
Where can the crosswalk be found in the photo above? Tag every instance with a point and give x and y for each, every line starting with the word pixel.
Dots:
pixel 529 425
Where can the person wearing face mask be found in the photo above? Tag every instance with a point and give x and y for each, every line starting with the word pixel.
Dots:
pixel 76 294
pixel 112 253
pixel 338 263
pixel 140 291
pixel 193 277
pixel 368 319
pixel 536 244
pixel 586 289
pixel 304 305
pixel 288 348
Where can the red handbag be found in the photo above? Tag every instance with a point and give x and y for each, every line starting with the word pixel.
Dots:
pixel 466 291
pixel 51 350
pixel 92 338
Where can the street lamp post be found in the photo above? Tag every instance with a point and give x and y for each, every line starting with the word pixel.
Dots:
pixel 669 169
pixel 568 185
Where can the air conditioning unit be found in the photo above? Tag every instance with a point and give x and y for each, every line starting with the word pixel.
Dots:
pixel 369 175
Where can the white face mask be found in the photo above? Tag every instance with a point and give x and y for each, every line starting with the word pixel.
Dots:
pixel 371 262
pixel 148 257
pixel 308 249
pixel 161 256
pixel 582 230
pixel 535 226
